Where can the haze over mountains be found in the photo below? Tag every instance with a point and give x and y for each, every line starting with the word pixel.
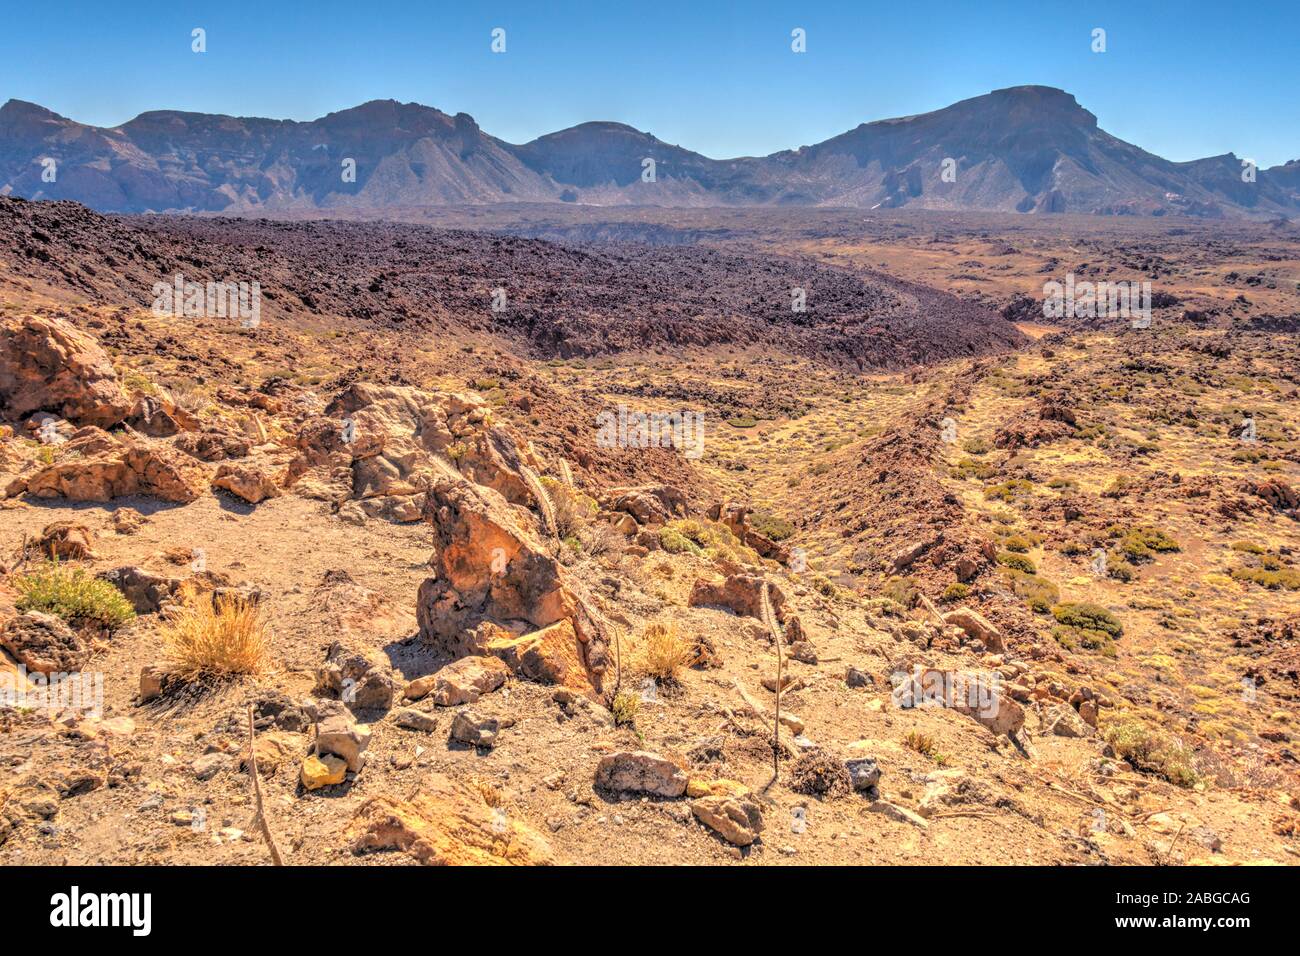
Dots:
pixel 1023 149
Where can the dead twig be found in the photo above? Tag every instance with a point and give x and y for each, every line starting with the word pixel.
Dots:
pixel 257 795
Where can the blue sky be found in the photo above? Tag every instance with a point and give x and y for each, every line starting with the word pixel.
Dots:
pixel 1183 80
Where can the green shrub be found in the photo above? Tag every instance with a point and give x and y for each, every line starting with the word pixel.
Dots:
pixel 74 596
pixel 770 526
pixel 624 709
pixel 1039 593
pixel 1009 490
pixel 1074 638
pixel 1144 542
pixel 1150 751
pixel 1017 562
pixel 955 592
pixel 1088 617
pixel 1017 543
pixel 1120 570
pixel 824 586
pixel 901 591
pixel 1274 580
pixel 976 446
pixel 969 468
pixel 1249 547
pixel 674 542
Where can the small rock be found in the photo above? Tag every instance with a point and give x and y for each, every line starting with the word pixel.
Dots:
pixel 413 719
pixel 856 678
pixel 864 773
pixel 735 819
pixel 323 771
pixel 209 765
pixel 470 728
pixel 337 732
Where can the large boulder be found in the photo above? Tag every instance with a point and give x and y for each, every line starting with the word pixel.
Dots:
pixel 492 567
pixel 979 696
pixel 248 480
pixel 47 364
pixel 648 504
pixel 977 626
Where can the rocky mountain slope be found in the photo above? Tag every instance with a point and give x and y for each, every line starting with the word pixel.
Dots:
pixel 1023 149
pixel 1035 606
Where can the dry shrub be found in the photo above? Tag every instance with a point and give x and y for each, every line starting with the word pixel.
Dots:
pixel 215 640
pixel 663 652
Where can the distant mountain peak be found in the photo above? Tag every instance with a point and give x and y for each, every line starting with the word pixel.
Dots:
pixel 1028 148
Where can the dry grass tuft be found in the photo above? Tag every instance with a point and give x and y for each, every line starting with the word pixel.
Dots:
pixel 215 641
pixel 663 653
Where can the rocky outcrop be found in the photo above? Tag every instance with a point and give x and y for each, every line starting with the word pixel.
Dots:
pixel 378 446
pixel 736 518
pixel 48 365
pixel 137 468
pixel 650 505
pixel 43 643
pixel 447 823
pixel 66 540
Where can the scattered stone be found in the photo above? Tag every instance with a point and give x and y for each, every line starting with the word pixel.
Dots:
pixel 324 770
pixel 209 765
pixel 413 719
pixel 856 678
pixel 151 682
pixel 461 682
pixel 792 722
pixel 803 652
pixel 1064 721
pixel 639 771
pixel 470 728
pixel 864 773
pixel 362 679
pixel 735 819
pixel 337 732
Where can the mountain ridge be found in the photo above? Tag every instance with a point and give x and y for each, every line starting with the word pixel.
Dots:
pixel 1023 149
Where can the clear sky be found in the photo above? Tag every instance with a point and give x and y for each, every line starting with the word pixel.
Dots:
pixel 1182 79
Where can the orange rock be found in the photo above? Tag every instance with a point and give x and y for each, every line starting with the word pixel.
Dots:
pixel 447 823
